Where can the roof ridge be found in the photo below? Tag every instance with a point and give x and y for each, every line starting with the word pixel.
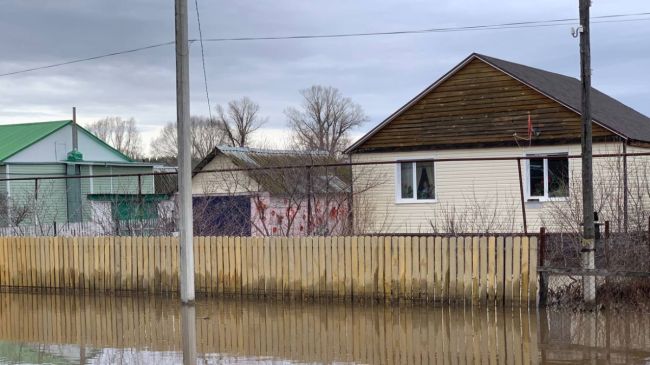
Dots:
pixel 32 123
pixel 269 151
pixel 481 56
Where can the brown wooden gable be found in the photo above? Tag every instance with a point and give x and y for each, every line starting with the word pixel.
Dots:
pixel 478 106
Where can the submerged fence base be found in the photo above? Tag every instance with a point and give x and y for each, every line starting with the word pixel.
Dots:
pixel 471 270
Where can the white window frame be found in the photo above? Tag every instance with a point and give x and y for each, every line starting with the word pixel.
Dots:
pixel 544 157
pixel 398 182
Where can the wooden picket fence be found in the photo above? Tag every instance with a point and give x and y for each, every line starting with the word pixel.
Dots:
pixel 472 270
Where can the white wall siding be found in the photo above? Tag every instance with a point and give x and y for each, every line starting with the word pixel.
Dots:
pixel 476 196
pixel 222 183
pixel 55 148
pixel 50 204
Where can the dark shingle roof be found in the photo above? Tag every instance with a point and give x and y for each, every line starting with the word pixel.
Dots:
pixel 607 111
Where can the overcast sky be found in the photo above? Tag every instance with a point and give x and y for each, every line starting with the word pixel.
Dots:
pixel 380 73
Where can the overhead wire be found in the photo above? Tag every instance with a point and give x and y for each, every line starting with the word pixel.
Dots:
pixel 205 75
pixel 512 25
pixel 612 18
pixel 157 45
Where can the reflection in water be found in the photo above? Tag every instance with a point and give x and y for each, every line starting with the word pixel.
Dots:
pixel 188 324
pixel 58 329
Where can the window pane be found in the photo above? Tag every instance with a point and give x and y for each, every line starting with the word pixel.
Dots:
pixel 130 210
pixel 536 174
pixel 558 177
pixel 407 180
pixel 425 181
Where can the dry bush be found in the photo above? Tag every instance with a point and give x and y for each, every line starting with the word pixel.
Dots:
pixel 475 215
pixel 627 247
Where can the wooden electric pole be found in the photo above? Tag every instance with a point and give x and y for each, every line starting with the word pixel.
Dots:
pixel 184 155
pixel 588 236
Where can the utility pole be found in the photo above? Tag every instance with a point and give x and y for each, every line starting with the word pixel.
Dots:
pixel 185 228
pixel 588 236
pixel 188 331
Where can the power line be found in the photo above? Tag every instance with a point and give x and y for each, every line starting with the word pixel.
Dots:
pixel 205 75
pixel 514 25
pixel 88 58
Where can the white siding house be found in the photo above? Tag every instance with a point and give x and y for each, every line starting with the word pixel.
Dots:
pixel 35 191
pixel 489 108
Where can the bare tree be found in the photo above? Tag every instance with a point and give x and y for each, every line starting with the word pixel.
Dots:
pixel 324 120
pixel 121 134
pixel 165 144
pixel 206 134
pixel 240 121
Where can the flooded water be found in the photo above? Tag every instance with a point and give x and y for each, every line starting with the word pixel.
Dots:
pixel 59 329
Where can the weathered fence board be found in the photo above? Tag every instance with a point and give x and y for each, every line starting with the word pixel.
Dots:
pixel 470 270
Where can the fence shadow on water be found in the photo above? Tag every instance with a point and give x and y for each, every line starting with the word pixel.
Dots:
pixel 134 329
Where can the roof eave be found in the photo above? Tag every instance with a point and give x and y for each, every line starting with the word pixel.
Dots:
pixel 206 160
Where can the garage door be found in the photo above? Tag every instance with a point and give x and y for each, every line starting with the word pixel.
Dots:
pixel 222 215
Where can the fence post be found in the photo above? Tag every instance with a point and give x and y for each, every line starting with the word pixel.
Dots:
pixel 309 218
pixel 543 283
pixel 521 196
pixel 606 243
pixel 648 233
pixel 350 215
pixel 140 203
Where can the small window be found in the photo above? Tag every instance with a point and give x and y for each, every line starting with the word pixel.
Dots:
pixel 128 210
pixel 548 177
pixel 558 178
pixel 416 180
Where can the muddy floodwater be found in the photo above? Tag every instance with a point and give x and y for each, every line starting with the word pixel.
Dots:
pixel 65 329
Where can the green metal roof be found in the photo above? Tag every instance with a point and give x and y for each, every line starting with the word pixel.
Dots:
pixel 16 137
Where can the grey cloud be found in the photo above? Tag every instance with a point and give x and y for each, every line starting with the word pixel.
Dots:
pixel 381 73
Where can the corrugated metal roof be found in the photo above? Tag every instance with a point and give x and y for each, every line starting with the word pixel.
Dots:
pixel 257 157
pixel 16 137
